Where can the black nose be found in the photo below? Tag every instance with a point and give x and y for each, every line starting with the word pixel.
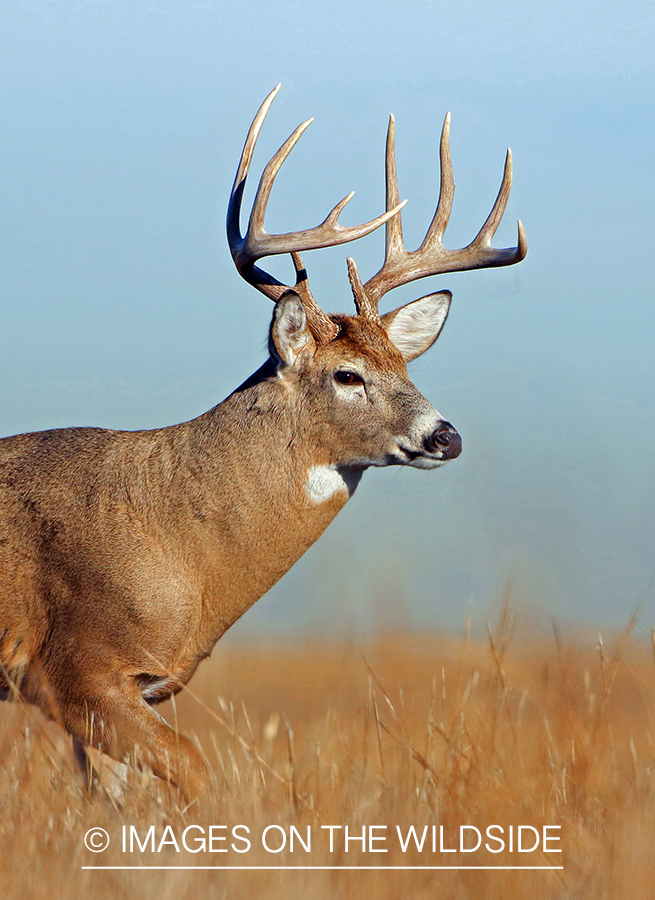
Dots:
pixel 444 438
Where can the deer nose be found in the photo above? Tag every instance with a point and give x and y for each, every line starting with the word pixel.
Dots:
pixel 444 438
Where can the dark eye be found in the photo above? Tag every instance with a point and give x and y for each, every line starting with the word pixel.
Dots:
pixel 345 376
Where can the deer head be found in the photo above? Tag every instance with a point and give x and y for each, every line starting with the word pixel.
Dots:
pixel 350 371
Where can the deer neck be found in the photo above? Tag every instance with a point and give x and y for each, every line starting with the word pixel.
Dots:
pixel 268 490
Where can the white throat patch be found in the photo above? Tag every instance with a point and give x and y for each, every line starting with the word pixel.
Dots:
pixel 323 482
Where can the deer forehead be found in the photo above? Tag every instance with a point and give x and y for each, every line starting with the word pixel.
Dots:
pixel 360 340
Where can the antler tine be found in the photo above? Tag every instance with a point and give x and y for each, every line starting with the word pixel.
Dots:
pixel 322 326
pixel 363 303
pixel 441 218
pixel 236 196
pixel 395 251
pixel 485 234
pixel 432 258
pixel 256 223
pixel 394 227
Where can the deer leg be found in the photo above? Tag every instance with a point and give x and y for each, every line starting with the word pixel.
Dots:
pixel 82 760
pixel 120 723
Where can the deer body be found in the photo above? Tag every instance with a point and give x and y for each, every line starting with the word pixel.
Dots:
pixel 165 530
pixel 124 556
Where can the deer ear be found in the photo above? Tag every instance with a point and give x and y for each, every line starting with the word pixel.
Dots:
pixel 415 327
pixel 290 334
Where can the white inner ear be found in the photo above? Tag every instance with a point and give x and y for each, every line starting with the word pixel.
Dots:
pixel 415 327
pixel 290 332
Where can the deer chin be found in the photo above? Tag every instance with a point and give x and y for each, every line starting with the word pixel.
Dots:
pixel 418 459
pixel 427 462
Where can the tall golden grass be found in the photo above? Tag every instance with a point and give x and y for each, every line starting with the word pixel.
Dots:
pixel 404 729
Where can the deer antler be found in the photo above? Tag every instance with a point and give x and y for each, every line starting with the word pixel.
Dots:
pixel 257 243
pixel 432 258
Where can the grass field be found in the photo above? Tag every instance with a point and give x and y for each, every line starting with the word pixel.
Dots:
pixel 404 730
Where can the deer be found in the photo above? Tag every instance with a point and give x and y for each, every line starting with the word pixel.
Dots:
pixel 126 555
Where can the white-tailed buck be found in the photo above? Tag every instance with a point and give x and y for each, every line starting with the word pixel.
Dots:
pixel 124 556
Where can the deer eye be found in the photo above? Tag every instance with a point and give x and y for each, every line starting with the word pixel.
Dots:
pixel 345 376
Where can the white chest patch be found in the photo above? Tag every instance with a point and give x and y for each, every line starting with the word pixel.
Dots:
pixel 323 482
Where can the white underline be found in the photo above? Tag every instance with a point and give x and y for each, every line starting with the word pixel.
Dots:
pixel 322 868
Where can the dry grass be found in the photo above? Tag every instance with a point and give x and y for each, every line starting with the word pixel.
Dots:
pixel 405 730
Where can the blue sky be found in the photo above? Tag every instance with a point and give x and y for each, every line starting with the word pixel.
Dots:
pixel 122 123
